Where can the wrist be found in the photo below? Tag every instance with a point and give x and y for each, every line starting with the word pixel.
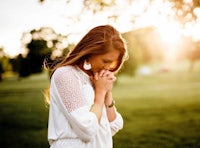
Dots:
pixel 111 104
pixel 100 92
pixel 108 98
pixel 99 97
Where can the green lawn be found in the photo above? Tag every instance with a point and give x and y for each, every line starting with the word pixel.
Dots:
pixel 159 111
pixel 23 115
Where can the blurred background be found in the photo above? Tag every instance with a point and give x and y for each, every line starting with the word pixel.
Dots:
pixel 157 90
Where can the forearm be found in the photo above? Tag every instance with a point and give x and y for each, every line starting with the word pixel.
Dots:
pixel 110 108
pixel 97 107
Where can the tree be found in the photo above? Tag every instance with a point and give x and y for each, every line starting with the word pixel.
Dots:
pixel 185 11
pixel 37 51
pixel 1 70
pixel 24 68
pixel 40 44
pixel 4 63
pixel 144 47
pixel 194 54
pixel 190 51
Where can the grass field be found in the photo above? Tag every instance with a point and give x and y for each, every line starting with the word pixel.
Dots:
pixel 159 111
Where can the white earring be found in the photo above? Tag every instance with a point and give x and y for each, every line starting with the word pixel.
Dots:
pixel 86 65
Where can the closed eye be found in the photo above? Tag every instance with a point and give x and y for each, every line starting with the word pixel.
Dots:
pixel 107 61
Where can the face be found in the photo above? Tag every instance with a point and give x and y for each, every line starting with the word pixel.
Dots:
pixel 106 61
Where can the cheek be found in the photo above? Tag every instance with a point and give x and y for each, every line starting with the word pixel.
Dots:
pixel 97 66
pixel 97 63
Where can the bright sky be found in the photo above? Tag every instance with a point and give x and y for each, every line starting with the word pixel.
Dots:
pixel 18 16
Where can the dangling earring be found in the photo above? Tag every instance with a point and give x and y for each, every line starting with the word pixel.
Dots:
pixel 86 65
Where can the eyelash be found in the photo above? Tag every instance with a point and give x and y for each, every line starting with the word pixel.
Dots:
pixel 106 61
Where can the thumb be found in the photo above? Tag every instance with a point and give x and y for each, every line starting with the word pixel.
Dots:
pixel 96 76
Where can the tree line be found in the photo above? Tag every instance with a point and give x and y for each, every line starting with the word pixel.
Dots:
pixel 144 46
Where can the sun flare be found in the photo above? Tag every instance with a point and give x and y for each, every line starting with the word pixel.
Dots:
pixel 170 32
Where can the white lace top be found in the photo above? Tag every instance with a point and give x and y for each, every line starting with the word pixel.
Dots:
pixel 71 124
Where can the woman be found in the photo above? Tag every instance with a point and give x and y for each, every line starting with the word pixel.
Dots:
pixel 82 112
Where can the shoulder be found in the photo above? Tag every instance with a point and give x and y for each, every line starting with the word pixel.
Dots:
pixel 67 68
pixel 65 71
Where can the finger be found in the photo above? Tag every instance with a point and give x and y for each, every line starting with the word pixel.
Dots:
pixel 96 76
pixel 109 74
pixel 106 73
pixel 101 73
pixel 112 78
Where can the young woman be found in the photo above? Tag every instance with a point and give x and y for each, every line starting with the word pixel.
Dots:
pixel 82 111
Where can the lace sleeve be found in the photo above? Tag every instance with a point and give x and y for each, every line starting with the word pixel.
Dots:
pixel 68 85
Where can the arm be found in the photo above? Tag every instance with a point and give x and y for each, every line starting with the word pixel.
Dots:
pixel 110 108
pixel 100 88
pixel 115 119
pixel 103 83
pixel 69 98
pixel 97 107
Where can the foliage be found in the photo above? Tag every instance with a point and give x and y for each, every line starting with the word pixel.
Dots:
pixel 24 66
pixel 145 46
pixel 37 51
pixel 142 47
pixel 4 61
pixel 190 50
pixel 45 41
pixel 4 65
pixel 1 71
pixel 41 44
pixel 184 10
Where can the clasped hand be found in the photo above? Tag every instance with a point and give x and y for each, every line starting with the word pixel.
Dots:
pixel 103 80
